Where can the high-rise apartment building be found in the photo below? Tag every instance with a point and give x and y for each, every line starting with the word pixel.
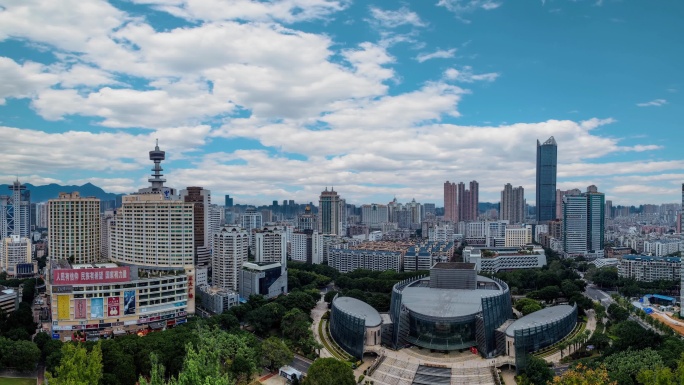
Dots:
pixel 583 222
pixel 547 162
pixel 74 228
pixel 307 246
pixel 106 222
pixel 271 245
pixel 231 244
pixel 330 213
pixel 512 204
pixel 461 204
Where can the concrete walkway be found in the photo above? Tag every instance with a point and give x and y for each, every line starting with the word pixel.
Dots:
pixel 317 313
pixel 591 326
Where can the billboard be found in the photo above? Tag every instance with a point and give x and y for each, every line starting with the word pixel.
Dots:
pixel 88 276
pixel 80 308
pixel 113 307
pixel 97 308
pixel 129 302
pixel 63 304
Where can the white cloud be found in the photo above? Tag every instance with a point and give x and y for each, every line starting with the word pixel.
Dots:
pixel 466 75
pixel 286 11
pixel 439 54
pixel 393 19
pixel 653 103
pixel 23 80
pixel 464 6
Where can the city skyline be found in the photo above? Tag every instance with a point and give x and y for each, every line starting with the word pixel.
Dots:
pixel 378 100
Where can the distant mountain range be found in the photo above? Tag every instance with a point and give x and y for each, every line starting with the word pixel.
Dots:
pixel 51 191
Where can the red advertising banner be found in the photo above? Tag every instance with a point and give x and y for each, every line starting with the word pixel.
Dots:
pixel 113 307
pixel 86 276
pixel 80 308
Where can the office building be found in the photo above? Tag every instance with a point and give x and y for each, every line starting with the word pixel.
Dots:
pixel 559 200
pixel 268 279
pixel 15 211
pixel 512 206
pixel 201 201
pixel 584 222
pixel 491 260
pixel 331 213
pixel 649 269
pixel 216 300
pixel 518 236
pixel 231 244
pixel 228 202
pixel 150 282
pixel 423 255
pixel 307 221
pixel 373 215
pixel 16 251
pixel 74 228
pixel 547 160
pixel 9 300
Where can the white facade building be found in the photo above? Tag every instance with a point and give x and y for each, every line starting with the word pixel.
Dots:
pixel 516 237
pixel 374 215
pixel 644 268
pixel 307 246
pixel 16 250
pixel 230 253
pixel 346 260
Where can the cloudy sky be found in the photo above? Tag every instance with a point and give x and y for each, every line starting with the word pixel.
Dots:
pixel 278 99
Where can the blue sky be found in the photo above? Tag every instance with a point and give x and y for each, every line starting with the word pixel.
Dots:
pixel 279 99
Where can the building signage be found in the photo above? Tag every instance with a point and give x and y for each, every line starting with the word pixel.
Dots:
pixel 113 307
pixel 62 289
pixel 63 307
pixel 92 326
pixel 90 276
pixel 80 308
pixel 129 302
pixel 55 336
pixel 191 287
pixel 97 308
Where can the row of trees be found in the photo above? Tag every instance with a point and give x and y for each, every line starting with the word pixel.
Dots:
pixel 216 357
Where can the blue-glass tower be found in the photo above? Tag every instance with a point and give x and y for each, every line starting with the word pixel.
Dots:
pixel 547 161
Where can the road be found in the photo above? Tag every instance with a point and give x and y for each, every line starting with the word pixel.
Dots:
pixel 593 292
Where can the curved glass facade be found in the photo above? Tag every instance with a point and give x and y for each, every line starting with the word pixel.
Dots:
pixel 496 309
pixel 451 333
pixel 348 330
pixel 532 339
pixel 441 333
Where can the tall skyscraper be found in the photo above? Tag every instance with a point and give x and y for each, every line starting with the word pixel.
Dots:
pixel 74 228
pixel 15 211
pixel 547 162
pixel 230 253
pixel 154 227
pixel 329 213
pixel 584 222
pixel 374 215
pixel 512 204
pixel 229 201
pixel 251 220
pixel 201 200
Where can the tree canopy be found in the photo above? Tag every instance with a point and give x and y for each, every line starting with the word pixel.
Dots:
pixel 327 371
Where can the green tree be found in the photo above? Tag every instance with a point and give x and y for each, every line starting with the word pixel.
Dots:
pixel 295 326
pixel 582 375
pixel 327 371
pixel 624 366
pixel 78 366
pixel 537 371
pixel 275 353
